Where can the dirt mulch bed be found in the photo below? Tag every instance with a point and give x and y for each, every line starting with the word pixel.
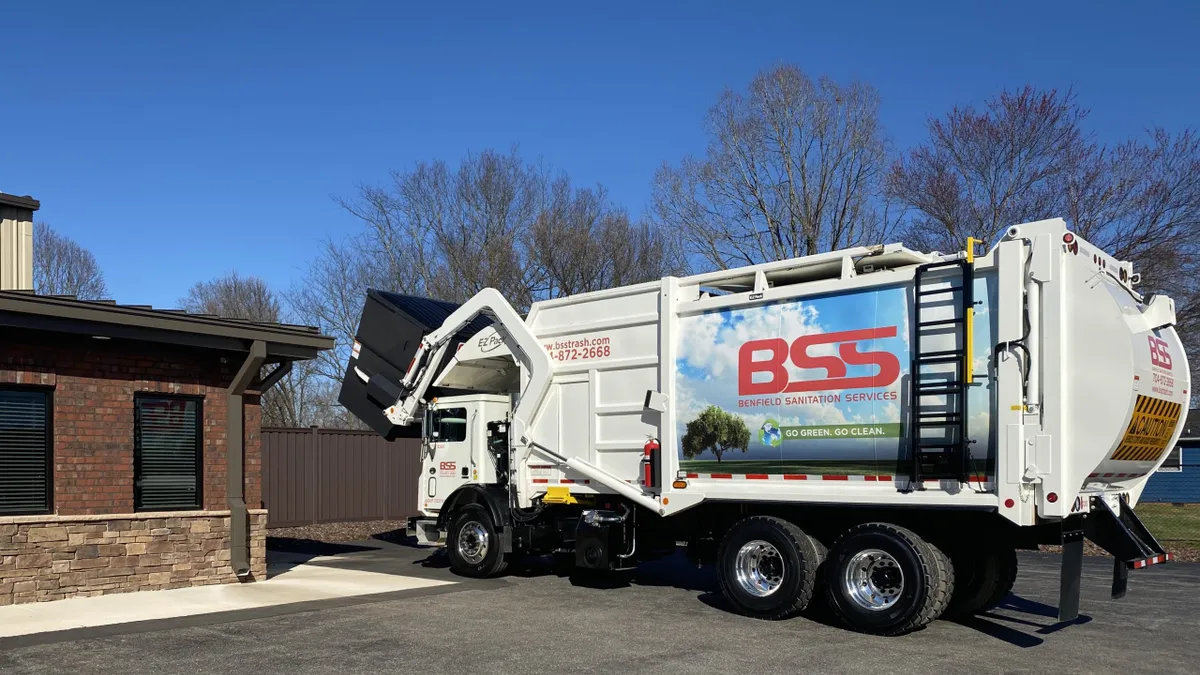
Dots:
pixel 318 538
pixel 1182 552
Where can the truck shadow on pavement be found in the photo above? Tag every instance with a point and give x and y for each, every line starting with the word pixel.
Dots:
pixel 1018 621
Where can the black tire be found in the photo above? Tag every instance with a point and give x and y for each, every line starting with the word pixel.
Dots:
pixel 983 576
pixel 918 574
pixel 469 525
pixel 794 561
pixel 1006 559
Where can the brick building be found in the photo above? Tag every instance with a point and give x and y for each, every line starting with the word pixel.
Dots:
pixel 130 450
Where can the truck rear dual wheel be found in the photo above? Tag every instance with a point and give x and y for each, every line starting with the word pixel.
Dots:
pixel 984 574
pixel 884 579
pixel 767 567
pixel 473 544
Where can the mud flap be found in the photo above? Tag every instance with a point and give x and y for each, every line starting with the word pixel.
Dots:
pixel 1072 568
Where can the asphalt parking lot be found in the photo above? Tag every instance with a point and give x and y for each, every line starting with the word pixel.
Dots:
pixel 668 620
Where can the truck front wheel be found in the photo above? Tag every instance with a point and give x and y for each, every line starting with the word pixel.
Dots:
pixel 767 567
pixel 473 545
pixel 886 580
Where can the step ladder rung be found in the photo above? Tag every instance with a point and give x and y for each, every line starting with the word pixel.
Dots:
pixel 938 384
pixel 957 262
pixel 952 289
pixel 949 424
pixel 944 352
pixel 923 360
pixel 939 414
pixel 940 322
pixel 940 392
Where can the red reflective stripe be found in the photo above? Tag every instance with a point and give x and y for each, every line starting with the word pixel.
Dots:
pixel 871 478
pixel 756 476
pixel 794 476
pixel 541 480
pixel 884 477
pixel 693 475
pixel 833 477
pixel 567 480
pixel 720 475
pixel 1108 475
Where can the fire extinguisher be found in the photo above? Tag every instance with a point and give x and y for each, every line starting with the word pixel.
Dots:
pixel 650 463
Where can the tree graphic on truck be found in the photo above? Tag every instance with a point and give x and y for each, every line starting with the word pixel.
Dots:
pixel 716 431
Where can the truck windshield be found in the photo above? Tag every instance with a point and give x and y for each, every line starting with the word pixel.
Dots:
pixel 450 425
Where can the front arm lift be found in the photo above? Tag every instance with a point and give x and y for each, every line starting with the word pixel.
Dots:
pixel 527 350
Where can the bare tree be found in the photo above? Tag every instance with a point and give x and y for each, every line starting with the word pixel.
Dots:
pixel 447 232
pixel 1027 156
pixel 297 400
pixel 63 267
pixel 582 242
pixel 792 168
pixel 494 221
pixel 981 171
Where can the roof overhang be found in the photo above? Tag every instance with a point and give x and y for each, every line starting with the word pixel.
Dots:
pixel 284 342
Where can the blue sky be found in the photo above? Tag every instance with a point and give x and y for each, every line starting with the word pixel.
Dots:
pixel 179 141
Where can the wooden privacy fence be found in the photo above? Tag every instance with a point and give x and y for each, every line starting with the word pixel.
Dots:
pixel 335 475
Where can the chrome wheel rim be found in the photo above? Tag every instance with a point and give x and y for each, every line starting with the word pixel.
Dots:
pixel 873 579
pixel 473 542
pixel 759 568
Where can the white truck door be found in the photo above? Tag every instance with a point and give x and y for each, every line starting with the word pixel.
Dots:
pixel 448 464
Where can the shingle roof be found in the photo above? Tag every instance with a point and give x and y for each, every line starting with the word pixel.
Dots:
pixel 66 313
pixel 19 202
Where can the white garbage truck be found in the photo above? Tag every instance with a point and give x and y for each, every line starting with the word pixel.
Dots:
pixel 881 425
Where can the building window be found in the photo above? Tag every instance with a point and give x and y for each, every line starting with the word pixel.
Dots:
pixel 167 459
pixel 26 451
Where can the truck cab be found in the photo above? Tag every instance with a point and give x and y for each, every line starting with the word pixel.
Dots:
pixel 454 448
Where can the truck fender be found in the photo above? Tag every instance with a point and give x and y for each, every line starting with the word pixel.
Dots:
pixel 492 497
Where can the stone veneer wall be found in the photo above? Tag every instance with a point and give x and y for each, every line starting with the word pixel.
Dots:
pixel 54 557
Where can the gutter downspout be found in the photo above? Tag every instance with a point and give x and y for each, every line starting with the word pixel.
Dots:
pixel 235 457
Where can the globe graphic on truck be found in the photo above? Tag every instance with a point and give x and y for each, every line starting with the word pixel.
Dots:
pixel 770 434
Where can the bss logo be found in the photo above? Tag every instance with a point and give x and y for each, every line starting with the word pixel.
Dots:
pixel 1160 355
pixel 447 466
pixel 779 351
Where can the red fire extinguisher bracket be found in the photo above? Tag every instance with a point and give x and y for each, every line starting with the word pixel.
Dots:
pixel 651 461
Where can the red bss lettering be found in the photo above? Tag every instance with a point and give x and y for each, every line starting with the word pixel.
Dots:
pixel 447 466
pixel 778 351
pixel 1160 355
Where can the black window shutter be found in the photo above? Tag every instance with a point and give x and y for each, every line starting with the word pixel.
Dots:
pixel 167 453
pixel 25 451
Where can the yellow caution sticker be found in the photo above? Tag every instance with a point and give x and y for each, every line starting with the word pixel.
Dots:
pixel 1153 425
